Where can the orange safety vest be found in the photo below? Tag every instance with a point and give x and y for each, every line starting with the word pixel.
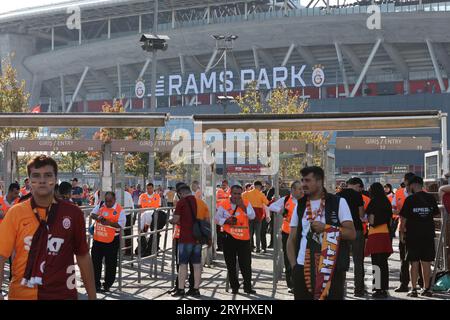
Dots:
pixel 104 233
pixel 222 195
pixel 290 206
pixel 152 201
pixel 390 197
pixel 400 198
pixel 24 191
pixel 240 230
pixel 176 231
pixel 366 201
pixel 4 205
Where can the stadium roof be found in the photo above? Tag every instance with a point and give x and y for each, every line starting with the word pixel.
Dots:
pixel 94 9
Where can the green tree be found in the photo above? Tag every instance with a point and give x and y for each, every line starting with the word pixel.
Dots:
pixel 13 98
pixel 285 101
pixel 73 161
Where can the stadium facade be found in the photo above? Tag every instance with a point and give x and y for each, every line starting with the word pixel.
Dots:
pixel 329 54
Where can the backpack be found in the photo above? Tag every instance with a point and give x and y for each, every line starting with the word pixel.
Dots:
pixel 201 228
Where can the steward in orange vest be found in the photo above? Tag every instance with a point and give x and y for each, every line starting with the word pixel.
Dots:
pixel 110 219
pixel 287 206
pixel 10 199
pixel 234 215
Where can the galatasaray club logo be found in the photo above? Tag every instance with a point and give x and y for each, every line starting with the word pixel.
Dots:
pixel 140 89
pixel 318 76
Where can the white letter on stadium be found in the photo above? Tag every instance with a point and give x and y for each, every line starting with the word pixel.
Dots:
pixel 206 83
pixel 263 78
pixel 280 79
pixel 245 81
pixel 175 86
pixel 297 76
pixel 191 85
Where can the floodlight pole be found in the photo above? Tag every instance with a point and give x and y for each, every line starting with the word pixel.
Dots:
pixel 151 154
pixel 225 48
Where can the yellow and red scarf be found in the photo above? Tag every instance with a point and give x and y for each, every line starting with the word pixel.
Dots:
pixel 320 259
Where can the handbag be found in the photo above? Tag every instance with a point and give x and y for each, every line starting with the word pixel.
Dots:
pixel 201 228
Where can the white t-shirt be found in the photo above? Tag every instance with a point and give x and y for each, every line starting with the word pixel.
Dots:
pixel 146 219
pixel 128 201
pixel 344 214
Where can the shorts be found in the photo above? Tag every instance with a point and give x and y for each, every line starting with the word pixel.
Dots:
pixel 420 251
pixel 189 253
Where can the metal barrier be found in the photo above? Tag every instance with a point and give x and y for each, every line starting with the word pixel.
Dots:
pixel 441 259
pixel 140 259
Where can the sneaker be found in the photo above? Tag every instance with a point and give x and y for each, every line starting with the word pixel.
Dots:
pixel 172 290
pixel 258 251
pixel 193 292
pixel 235 291
pixel 249 291
pixel 361 293
pixel 426 293
pixel 264 250
pixel 178 293
pixel 290 290
pixel 412 293
pixel 401 289
pixel 105 288
pixel 380 294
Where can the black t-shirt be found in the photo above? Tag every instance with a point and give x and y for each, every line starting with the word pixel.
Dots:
pixel 354 201
pixel 419 209
pixel 382 211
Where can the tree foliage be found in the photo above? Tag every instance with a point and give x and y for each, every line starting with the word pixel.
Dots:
pixel 13 98
pixel 284 101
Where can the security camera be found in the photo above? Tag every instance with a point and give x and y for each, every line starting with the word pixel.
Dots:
pixel 151 42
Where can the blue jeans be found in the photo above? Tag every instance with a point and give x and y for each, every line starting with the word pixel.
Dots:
pixel 189 252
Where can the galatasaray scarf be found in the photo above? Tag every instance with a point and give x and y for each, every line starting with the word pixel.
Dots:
pixel 34 271
pixel 320 259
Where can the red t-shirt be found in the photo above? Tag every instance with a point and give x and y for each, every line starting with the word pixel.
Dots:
pixel 67 237
pixel 186 222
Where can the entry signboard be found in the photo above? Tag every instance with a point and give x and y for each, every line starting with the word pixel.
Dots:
pixel 142 146
pixel 252 168
pixel 384 143
pixel 55 145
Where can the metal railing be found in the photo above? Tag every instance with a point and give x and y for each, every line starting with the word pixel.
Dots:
pixel 441 259
pixel 137 234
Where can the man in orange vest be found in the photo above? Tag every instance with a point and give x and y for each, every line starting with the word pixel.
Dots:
pixel 110 219
pixel 223 193
pixel 10 199
pixel 150 200
pixel 285 206
pixel 397 204
pixel 26 188
pixel 259 203
pixel 234 215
